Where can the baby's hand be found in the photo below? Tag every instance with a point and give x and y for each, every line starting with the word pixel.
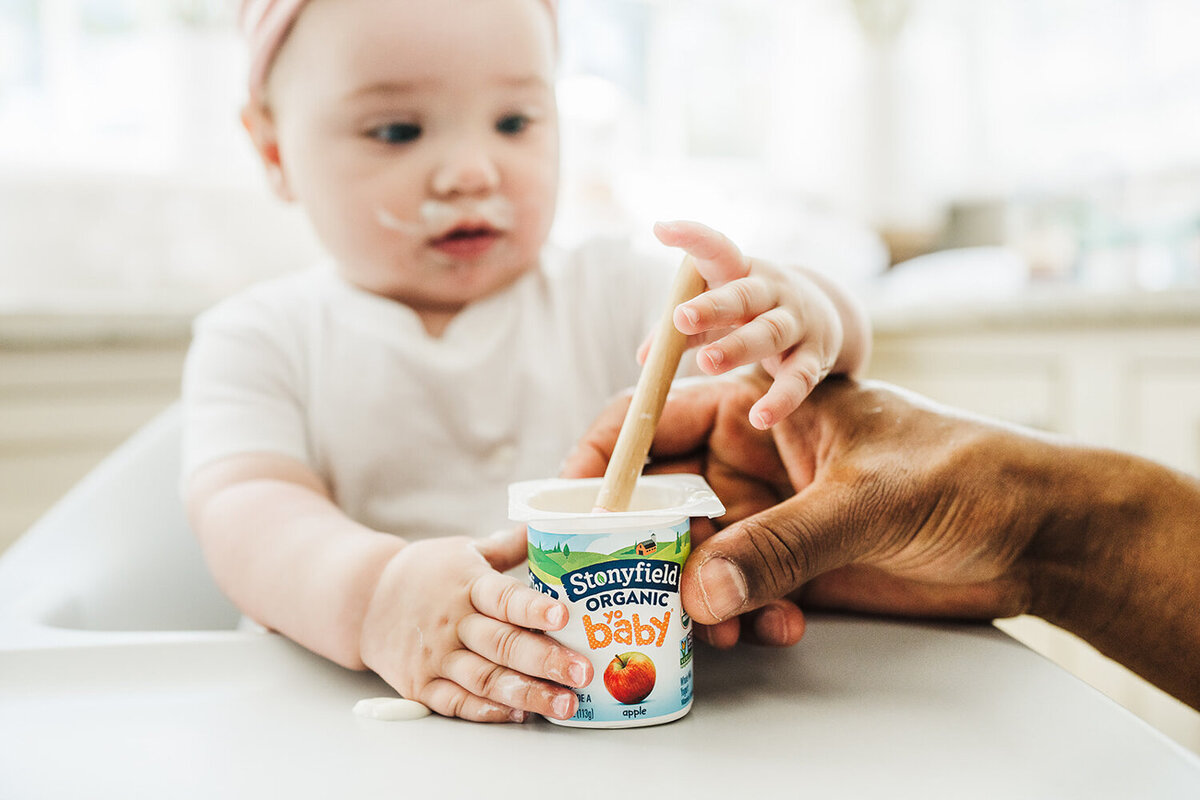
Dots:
pixel 755 311
pixel 445 627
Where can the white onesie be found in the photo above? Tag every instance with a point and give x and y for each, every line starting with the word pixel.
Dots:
pixel 415 435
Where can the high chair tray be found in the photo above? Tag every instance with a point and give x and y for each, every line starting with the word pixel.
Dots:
pixel 860 708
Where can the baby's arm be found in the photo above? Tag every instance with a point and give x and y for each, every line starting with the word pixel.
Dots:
pixel 799 324
pixel 435 619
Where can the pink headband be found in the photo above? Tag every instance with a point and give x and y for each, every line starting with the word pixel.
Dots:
pixel 266 23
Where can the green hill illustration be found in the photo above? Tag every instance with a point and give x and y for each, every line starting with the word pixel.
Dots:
pixel 551 565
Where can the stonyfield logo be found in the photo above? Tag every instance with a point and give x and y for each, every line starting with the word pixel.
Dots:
pixel 626 574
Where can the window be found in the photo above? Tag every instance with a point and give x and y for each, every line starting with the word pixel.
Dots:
pixel 790 125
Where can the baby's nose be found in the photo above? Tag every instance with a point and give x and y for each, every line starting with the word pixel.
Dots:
pixel 466 171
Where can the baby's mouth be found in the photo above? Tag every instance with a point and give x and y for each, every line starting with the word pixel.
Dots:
pixel 466 241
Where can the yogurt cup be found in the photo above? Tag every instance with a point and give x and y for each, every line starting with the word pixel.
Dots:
pixel 618 574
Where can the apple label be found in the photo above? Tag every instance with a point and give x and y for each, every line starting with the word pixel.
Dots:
pixel 618 574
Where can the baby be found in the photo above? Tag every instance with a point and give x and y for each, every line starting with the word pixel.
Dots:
pixel 350 430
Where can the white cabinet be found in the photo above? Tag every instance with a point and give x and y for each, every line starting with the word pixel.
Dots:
pixel 1121 373
pixel 1164 422
pixel 1128 381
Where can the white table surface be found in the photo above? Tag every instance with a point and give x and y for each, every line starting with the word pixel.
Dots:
pixel 860 708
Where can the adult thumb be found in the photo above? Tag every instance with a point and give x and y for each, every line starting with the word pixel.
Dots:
pixel 768 555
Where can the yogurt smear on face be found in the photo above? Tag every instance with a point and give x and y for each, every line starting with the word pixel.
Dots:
pixel 435 217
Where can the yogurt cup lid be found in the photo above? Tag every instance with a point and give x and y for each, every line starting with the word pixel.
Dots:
pixel 656 497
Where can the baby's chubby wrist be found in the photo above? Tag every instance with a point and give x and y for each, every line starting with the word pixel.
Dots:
pixel 375 565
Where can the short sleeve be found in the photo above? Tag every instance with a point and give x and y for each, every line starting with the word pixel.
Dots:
pixel 243 380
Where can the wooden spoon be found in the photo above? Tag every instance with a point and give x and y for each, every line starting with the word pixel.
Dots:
pixel 637 431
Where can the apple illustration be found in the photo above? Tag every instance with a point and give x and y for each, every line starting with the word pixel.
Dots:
pixel 629 677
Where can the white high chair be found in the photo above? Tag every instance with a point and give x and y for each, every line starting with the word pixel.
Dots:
pixel 122 674
pixel 114 556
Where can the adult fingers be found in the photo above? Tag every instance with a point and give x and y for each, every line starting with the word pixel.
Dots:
pixel 591 453
pixel 687 420
pixel 503 686
pixel 507 599
pixel 779 623
pixel 721 635
pixel 527 652
pixel 449 699
pixel 767 556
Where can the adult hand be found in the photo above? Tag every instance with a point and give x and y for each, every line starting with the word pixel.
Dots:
pixel 899 506
pixel 707 431
pixel 866 497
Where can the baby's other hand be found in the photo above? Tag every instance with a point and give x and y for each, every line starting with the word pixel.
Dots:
pixel 446 628
pixel 755 311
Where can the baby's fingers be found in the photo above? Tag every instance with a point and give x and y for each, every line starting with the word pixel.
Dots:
pixel 794 380
pixel 718 259
pixel 505 598
pixel 768 335
pixel 527 652
pixel 485 679
pixel 449 699
pixel 732 304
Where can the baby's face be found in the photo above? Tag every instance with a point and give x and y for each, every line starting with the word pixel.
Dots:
pixel 421 138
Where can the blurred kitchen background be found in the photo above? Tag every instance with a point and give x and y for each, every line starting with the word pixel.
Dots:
pixel 1013 185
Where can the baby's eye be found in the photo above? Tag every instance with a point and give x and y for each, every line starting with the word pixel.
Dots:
pixel 396 133
pixel 513 124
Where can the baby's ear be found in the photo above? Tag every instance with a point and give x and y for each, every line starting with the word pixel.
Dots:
pixel 260 124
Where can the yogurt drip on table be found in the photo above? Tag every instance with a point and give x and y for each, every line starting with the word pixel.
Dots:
pixel 390 709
